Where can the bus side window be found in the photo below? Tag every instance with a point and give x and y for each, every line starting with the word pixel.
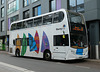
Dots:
pixel 25 25
pixel 27 41
pixel 24 42
pixel 61 16
pixel 13 27
pixel 47 19
pixel 58 17
pixel 18 42
pixel 14 42
pixel 38 21
pixel 61 40
pixel 29 23
pixel 19 25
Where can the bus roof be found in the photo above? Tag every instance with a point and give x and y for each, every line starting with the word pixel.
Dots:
pixel 38 16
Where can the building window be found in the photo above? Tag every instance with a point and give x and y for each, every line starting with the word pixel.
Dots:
pixel 13 6
pixel 26 14
pixel 2 12
pixel 80 5
pixel 26 3
pixel 2 26
pixel 37 10
pixel 14 18
pixel 54 5
pixel 76 5
pixel 34 1
pixel 2 2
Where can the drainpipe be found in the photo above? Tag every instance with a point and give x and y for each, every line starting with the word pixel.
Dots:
pixel 97 52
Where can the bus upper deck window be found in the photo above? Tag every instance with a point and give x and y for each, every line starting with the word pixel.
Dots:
pixel 13 27
pixel 47 19
pixel 58 17
pixel 29 23
pixel 19 25
pixel 24 25
pixel 38 21
pixel 76 18
pixel 61 16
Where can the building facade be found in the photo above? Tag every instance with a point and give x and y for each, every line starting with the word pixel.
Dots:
pixel 13 10
pixel 3 26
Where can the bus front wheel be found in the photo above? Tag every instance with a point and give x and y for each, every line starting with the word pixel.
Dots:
pixel 47 55
pixel 17 53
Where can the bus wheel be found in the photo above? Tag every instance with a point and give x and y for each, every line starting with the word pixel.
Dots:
pixel 17 53
pixel 47 55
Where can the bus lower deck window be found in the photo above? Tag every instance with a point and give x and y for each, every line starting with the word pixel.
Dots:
pixel 61 40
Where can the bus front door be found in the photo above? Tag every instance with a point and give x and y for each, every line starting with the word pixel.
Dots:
pixel 60 46
pixel 59 52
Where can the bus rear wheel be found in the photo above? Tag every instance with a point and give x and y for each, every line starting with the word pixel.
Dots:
pixel 17 53
pixel 47 55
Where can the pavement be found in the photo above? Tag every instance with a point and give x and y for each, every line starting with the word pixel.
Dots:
pixel 93 60
pixel 4 67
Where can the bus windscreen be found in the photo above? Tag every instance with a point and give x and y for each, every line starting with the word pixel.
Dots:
pixel 76 18
pixel 78 40
pixel 78 31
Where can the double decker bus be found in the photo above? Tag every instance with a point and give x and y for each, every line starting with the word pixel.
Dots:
pixel 60 35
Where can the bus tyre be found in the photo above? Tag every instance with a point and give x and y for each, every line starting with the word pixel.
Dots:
pixel 47 55
pixel 17 53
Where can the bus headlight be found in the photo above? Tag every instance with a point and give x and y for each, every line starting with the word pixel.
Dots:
pixel 86 52
pixel 83 53
pixel 73 51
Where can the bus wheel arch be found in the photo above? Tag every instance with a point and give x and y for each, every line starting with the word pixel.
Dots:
pixel 17 52
pixel 47 54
